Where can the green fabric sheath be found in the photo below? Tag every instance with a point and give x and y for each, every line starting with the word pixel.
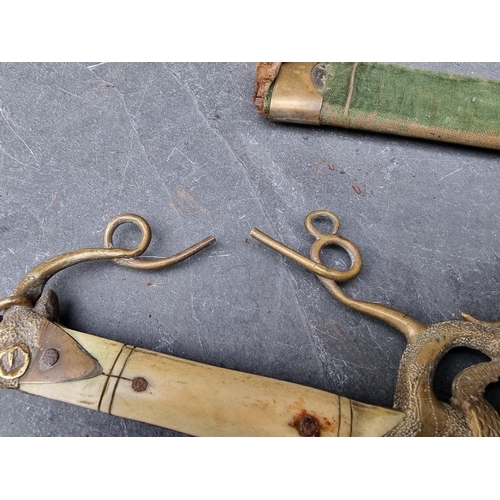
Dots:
pixel 412 102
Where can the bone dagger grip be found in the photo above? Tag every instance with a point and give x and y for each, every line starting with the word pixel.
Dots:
pixel 204 400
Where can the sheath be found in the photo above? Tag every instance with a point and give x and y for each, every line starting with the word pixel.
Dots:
pixel 385 98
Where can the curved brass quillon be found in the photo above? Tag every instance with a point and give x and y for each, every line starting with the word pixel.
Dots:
pixel 322 240
pixel 408 326
pixel 30 288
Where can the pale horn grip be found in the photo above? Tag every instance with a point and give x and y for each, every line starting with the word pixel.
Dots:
pixel 204 400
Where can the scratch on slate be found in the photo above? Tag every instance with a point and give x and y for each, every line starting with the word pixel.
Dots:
pixel 69 93
pixel 146 87
pixel 19 137
pixel 193 311
pixel 451 173
pixel 124 425
pixel 180 152
pixel 219 136
pixel 92 66
pixel 15 159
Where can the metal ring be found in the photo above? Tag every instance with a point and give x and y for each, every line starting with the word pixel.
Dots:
pixel 309 223
pixel 117 221
pixel 329 239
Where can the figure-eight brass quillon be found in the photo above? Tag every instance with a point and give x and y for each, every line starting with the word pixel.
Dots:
pixel 41 357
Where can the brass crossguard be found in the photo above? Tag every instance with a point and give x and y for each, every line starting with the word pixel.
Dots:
pixel 30 288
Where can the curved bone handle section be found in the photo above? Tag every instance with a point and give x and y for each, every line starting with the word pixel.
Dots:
pixel 204 400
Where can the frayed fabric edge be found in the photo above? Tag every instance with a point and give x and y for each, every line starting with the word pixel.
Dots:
pixel 266 74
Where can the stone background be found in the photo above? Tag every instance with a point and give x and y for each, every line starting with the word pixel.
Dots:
pixel 182 145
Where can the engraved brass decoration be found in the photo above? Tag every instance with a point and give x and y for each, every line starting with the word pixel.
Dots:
pixel 468 413
pixel 14 361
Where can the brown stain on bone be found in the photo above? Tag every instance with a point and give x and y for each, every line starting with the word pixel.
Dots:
pixel 139 384
pixel 310 424
pixel 306 424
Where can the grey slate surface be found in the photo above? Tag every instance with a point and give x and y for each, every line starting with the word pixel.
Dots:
pixel 182 145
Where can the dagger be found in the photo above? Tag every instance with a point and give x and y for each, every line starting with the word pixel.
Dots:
pixel 39 356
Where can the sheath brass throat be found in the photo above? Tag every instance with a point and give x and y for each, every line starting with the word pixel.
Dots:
pixel 295 97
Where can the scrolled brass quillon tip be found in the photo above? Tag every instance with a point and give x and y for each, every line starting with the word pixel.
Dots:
pixel 143 225
pixel 30 288
pixel 322 240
